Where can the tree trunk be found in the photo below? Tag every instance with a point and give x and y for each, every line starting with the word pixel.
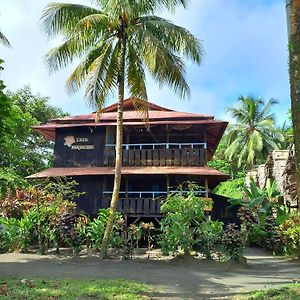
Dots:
pixel 294 70
pixel 118 163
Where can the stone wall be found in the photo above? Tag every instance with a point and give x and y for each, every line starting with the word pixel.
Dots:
pixel 279 166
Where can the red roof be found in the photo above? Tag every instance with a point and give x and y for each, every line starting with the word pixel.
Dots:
pixel 157 115
pixel 215 176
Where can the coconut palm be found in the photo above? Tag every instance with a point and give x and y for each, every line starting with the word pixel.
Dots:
pixel 254 135
pixel 4 40
pixel 116 42
pixel 293 12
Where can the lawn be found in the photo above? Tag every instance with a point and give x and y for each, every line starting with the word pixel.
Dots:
pixel 63 289
pixel 287 292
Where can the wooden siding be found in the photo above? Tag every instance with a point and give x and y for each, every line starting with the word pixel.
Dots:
pixel 90 201
pixel 71 156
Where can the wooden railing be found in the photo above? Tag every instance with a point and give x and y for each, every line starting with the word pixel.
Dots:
pixel 171 154
pixel 138 203
pixel 136 206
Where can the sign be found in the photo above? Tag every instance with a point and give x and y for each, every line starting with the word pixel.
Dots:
pixel 75 143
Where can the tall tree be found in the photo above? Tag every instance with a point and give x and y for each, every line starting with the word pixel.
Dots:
pixel 116 42
pixel 21 148
pixel 293 12
pixel 254 135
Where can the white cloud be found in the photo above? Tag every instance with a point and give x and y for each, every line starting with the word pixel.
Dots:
pixel 245 44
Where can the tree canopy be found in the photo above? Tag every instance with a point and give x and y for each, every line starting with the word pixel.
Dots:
pixel 254 135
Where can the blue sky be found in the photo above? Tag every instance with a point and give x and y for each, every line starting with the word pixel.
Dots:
pixel 245 44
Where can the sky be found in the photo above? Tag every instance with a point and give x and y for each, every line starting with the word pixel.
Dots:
pixel 245 44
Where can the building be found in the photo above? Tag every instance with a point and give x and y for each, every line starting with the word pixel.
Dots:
pixel 174 147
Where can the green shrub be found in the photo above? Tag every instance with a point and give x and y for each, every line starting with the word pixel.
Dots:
pixel 289 232
pixel 208 238
pixel 232 188
pixel 183 213
pixel 95 230
pixel 233 241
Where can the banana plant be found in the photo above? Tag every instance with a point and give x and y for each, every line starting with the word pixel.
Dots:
pixel 265 199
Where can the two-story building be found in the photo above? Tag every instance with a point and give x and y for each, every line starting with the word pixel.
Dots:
pixel 174 147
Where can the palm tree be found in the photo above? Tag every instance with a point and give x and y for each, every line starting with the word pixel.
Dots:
pixel 293 12
pixel 254 135
pixel 4 40
pixel 116 42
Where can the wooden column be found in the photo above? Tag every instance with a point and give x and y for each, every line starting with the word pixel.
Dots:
pixel 126 186
pixel 168 184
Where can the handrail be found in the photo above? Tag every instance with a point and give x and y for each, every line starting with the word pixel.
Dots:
pixel 167 145
pixel 154 193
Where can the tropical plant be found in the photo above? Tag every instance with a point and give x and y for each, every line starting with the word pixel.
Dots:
pixel 118 40
pixel 148 229
pixel 208 238
pixel 254 135
pixel 290 235
pixel 293 12
pixel 233 241
pixel 184 212
pixel 96 228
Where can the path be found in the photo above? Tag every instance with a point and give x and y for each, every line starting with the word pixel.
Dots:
pixel 173 279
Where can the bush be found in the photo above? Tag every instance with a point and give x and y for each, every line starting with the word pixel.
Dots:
pixel 208 238
pixel 289 232
pixel 95 230
pixel 183 213
pixel 233 242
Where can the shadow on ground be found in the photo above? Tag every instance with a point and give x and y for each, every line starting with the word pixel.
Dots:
pixel 186 279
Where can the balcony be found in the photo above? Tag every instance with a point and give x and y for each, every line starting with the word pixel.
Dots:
pixel 160 154
pixel 140 203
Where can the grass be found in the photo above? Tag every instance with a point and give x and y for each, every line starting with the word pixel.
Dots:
pixel 65 289
pixel 286 292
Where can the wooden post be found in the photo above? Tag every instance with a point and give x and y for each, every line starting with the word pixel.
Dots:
pixel 126 186
pixel 206 187
pixel 167 134
pixel 168 184
pixel 208 216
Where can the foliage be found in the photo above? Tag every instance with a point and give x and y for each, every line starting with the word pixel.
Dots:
pixel 183 212
pixel 100 34
pixel 23 151
pixel 290 234
pixel 10 180
pixel 148 228
pixel 69 289
pixel 254 135
pixel 265 199
pixel 232 188
pixel 221 165
pixel 261 212
pixel 233 241
pixel 33 219
pixel 208 238
pixel 286 292
pixel 15 234
pixel 95 230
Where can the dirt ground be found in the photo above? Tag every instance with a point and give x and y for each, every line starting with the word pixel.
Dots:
pixel 173 279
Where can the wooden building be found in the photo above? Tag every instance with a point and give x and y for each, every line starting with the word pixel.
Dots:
pixel 173 148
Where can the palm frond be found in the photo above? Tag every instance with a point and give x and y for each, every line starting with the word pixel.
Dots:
pixel 174 37
pixel 97 84
pixel 164 66
pixel 61 18
pixel 4 40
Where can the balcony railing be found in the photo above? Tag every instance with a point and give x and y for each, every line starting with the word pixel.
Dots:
pixel 139 203
pixel 160 154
